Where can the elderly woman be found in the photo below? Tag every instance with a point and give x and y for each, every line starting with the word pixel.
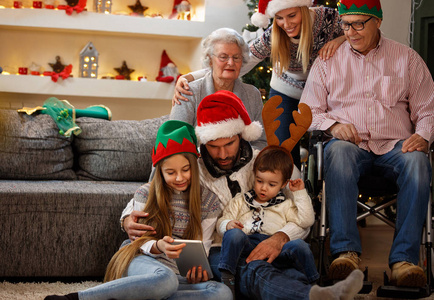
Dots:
pixel 224 52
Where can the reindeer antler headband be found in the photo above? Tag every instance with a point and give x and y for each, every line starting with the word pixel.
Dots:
pixel 270 113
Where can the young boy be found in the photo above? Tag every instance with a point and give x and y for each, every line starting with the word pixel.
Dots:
pixel 252 217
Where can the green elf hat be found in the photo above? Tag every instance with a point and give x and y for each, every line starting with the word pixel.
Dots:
pixel 361 7
pixel 174 137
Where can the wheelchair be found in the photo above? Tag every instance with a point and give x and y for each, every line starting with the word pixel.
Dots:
pixel 371 185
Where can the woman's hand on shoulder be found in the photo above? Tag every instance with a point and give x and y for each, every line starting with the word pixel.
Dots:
pixel 329 49
pixel 182 87
pixel 171 251
pixel 196 275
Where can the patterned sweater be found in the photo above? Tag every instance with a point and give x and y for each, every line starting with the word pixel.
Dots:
pixel 210 212
pixel 292 81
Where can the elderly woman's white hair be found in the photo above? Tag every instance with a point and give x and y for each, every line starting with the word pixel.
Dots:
pixel 226 36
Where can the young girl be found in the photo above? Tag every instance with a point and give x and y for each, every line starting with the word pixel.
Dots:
pixel 298 35
pixel 178 207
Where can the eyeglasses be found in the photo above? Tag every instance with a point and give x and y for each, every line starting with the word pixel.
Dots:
pixel 225 58
pixel 357 26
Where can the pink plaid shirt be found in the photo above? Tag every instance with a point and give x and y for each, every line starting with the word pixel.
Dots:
pixel 387 95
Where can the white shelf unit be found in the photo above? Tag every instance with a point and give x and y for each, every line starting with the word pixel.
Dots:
pixel 39 35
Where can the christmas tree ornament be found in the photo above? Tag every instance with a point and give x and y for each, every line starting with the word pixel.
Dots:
pixel 124 70
pixel 137 8
pixel 103 6
pixel 168 70
pixel 89 61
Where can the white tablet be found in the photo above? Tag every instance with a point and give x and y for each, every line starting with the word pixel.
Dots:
pixel 192 255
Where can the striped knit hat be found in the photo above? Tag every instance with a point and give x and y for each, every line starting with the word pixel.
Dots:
pixel 361 7
pixel 174 137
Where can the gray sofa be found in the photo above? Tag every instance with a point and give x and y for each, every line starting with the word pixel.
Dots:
pixel 61 198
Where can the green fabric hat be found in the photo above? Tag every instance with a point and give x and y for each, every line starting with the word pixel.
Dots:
pixel 174 137
pixel 361 7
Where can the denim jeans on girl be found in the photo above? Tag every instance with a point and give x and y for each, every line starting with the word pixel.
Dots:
pixel 146 278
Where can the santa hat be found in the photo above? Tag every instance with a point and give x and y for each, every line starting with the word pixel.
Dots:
pixel 267 9
pixel 165 60
pixel 361 7
pixel 174 137
pixel 174 10
pixel 223 115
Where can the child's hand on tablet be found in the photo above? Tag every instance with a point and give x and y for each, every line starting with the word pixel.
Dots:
pixel 196 275
pixel 171 251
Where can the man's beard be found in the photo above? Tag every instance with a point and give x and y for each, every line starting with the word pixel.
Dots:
pixel 226 166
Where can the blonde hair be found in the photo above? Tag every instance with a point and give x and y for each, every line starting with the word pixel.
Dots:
pixel 280 44
pixel 159 209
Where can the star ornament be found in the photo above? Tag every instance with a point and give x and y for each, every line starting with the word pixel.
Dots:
pixel 138 8
pixel 124 70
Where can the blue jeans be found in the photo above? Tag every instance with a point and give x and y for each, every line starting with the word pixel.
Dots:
pixel 146 278
pixel 289 105
pixel 237 245
pixel 344 164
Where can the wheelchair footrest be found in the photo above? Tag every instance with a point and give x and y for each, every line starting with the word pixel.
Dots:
pixel 391 291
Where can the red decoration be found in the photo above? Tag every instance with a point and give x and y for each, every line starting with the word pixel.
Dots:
pixel 18 4
pixel 64 74
pixel 168 70
pixel 35 73
pixel 120 77
pixel 37 4
pixel 23 71
pixel 78 8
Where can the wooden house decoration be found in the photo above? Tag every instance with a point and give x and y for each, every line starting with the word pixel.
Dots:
pixel 103 6
pixel 89 61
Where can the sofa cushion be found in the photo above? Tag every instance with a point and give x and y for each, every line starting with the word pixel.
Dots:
pixel 32 148
pixel 60 228
pixel 116 150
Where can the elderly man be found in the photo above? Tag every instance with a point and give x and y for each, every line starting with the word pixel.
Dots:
pixel 375 99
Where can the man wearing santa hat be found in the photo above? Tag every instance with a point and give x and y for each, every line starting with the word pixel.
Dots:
pixel 375 99
pixel 224 130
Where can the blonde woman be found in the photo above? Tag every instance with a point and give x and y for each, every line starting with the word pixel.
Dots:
pixel 178 207
pixel 297 36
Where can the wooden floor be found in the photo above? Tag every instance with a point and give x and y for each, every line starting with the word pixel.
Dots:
pixel 376 242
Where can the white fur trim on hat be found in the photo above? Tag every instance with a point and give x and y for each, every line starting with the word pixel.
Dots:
pixel 275 6
pixel 228 128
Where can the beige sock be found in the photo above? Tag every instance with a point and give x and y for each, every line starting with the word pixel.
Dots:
pixel 342 290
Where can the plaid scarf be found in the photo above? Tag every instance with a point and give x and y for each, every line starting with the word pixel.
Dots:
pixel 257 212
